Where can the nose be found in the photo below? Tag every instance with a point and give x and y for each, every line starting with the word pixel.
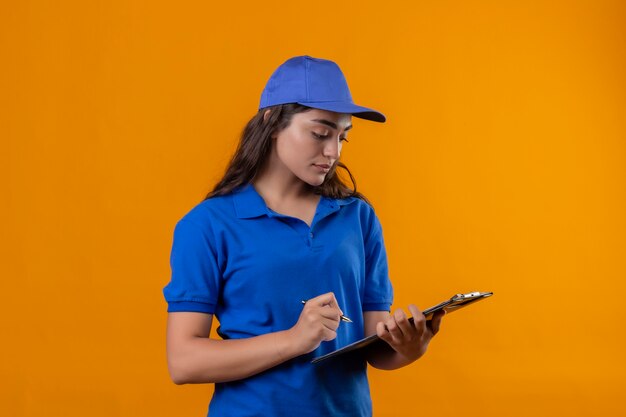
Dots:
pixel 332 149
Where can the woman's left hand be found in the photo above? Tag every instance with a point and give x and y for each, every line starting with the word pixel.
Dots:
pixel 409 339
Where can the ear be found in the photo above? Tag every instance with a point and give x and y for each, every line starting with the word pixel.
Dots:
pixel 266 115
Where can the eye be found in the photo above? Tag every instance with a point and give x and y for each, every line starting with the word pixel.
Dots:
pixel 318 136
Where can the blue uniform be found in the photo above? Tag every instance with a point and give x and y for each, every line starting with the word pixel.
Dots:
pixel 232 256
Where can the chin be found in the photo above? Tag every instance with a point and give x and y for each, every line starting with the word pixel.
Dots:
pixel 315 181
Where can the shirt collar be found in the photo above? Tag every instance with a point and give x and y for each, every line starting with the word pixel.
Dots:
pixel 249 203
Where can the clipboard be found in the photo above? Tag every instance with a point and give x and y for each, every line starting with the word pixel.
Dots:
pixel 456 302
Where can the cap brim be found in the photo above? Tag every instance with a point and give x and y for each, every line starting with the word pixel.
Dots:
pixel 343 107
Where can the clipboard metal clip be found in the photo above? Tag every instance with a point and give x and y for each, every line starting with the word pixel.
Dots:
pixel 466 296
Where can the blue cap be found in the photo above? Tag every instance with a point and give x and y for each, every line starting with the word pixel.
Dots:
pixel 314 82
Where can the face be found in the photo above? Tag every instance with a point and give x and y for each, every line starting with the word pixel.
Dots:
pixel 310 146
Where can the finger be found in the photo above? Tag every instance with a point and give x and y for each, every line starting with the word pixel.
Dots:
pixel 394 331
pixel 329 313
pixel 415 312
pixel 330 323
pixel 403 323
pixel 382 332
pixel 419 321
pixel 329 335
pixel 324 299
pixel 435 322
pixel 327 299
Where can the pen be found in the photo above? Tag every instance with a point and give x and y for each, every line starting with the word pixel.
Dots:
pixel 343 318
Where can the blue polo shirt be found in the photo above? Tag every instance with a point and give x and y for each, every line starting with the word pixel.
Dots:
pixel 234 257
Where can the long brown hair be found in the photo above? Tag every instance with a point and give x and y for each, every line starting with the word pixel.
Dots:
pixel 255 145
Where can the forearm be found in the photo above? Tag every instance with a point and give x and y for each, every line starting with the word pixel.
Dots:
pixel 205 360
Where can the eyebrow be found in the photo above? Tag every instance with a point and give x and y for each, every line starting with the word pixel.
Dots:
pixel 330 124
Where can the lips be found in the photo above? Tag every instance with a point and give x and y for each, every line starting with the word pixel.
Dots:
pixel 325 168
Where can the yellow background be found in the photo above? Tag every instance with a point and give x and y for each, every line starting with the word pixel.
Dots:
pixel 501 168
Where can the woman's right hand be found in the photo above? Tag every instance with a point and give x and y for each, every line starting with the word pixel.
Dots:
pixel 317 323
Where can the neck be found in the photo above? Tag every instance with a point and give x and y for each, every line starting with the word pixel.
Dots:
pixel 276 183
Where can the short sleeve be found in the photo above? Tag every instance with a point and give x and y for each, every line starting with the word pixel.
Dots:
pixel 378 288
pixel 195 281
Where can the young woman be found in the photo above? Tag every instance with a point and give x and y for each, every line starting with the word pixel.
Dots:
pixel 282 228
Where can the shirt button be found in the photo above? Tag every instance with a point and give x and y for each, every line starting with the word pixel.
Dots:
pixel 311 234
